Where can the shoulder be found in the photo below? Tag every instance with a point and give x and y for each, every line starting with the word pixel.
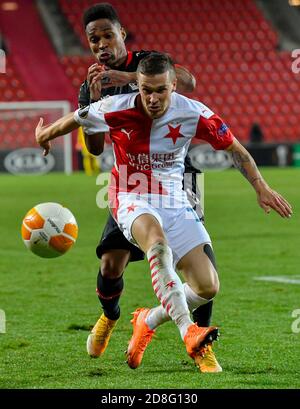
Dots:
pixel 115 103
pixel 192 106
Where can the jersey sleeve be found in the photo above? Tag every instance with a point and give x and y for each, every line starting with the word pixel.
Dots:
pixel 84 95
pixel 92 118
pixel 214 131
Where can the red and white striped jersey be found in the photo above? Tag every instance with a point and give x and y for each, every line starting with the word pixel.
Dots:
pixel 152 150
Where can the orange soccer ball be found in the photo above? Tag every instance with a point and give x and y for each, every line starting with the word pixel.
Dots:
pixel 49 230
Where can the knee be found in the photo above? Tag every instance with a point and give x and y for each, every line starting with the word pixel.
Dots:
pixel 210 290
pixel 111 268
pixel 156 240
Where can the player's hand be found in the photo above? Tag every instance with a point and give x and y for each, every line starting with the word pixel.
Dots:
pixel 94 80
pixel 114 78
pixel 269 199
pixel 39 137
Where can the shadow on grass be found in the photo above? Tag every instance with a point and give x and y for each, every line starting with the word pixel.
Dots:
pixel 17 344
pixel 96 373
pixel 77 327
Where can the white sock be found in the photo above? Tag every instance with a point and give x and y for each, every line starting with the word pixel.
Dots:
pixel 158 315
pixel 193 300
pixel 168 287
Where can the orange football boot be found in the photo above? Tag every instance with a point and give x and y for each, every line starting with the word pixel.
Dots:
pixel 197 338
pixel 141 337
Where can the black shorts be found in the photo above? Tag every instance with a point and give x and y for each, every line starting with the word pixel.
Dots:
pixel 113 239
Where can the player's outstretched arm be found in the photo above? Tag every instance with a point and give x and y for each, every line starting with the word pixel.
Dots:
pixel 44 134
pixel 267 198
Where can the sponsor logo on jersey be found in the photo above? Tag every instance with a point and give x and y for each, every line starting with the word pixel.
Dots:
pixel 127 133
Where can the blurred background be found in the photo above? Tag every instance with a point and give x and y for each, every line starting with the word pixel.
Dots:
pixel 242 53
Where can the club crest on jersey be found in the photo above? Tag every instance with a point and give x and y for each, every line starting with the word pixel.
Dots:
pixel 83 112
pixel 174 133
pixel 222 130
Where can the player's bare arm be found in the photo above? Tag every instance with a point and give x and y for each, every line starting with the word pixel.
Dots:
pixel 186 82
pixel 95 143
pixel 112 78
pixel 115 78
pixel 100 77
pixel 267 198
pixel 45 133
pixel 94 81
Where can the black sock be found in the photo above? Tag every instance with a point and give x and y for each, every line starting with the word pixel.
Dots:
pixel 109 292
pixel 202 314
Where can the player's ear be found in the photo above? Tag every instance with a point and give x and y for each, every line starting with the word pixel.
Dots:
pixel 123 33
pixel 174 85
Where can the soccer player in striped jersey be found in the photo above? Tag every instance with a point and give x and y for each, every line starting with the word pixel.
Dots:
pixel 151 131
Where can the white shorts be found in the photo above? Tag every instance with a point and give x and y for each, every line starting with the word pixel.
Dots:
pixel 182 226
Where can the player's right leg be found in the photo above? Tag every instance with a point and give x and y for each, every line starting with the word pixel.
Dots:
pixel 115 252
pixel 193 187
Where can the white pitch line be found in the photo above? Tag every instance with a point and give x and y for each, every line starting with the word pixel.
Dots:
pixel 280 279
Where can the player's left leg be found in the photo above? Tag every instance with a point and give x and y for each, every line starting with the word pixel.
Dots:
pixel 193 184
pixel 202 314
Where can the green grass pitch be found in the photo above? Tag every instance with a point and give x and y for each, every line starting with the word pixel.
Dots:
pixel 51 304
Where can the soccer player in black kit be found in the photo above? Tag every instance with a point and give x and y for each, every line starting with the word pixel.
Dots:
pixel 116 69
